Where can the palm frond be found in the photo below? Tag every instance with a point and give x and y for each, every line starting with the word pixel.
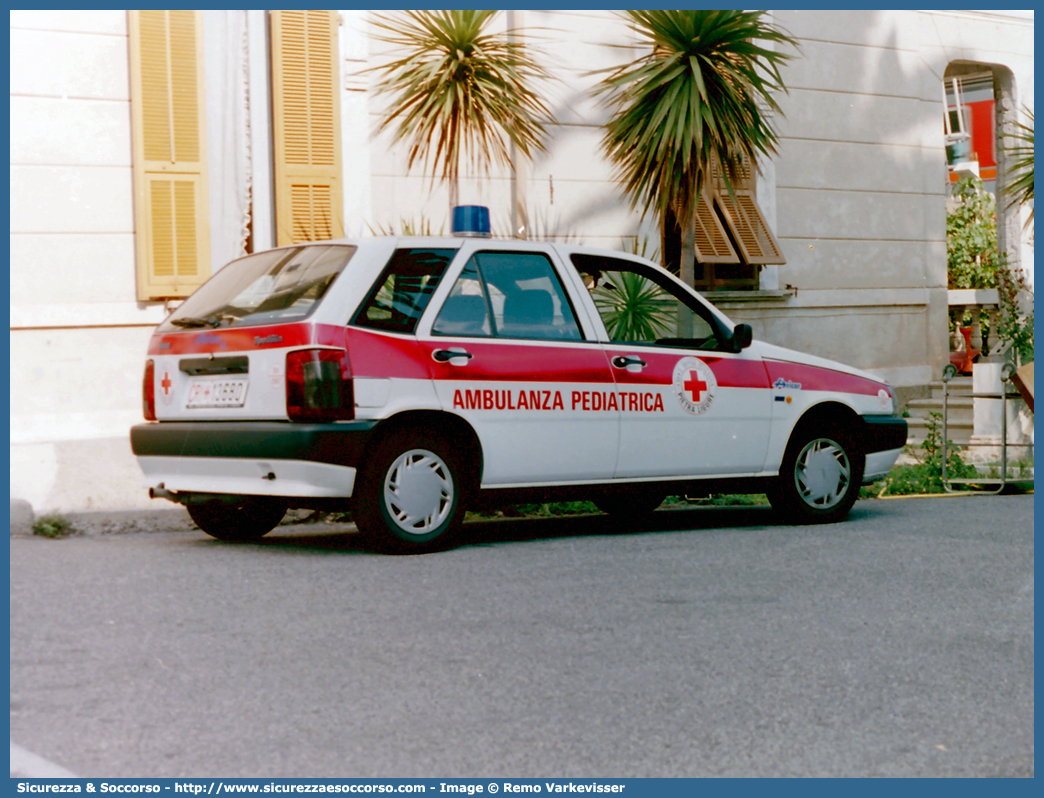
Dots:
pixel 694 97
pixel 459 94
pixel 635 308
pixel 1021 172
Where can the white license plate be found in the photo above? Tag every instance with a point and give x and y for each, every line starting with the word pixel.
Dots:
pixel 217 393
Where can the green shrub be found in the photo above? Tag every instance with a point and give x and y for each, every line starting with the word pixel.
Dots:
pixel 926 475
pixel 971 237
pixel 53 526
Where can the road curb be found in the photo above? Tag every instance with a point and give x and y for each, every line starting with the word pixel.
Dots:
pixel 951 495
pixel 27 765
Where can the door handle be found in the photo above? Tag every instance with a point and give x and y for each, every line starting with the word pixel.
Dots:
pixel 622 362
pixel 446 355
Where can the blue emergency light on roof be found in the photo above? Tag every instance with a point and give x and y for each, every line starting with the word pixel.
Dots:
pixel 471 221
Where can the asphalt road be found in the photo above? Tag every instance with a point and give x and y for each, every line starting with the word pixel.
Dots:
pixel 715 643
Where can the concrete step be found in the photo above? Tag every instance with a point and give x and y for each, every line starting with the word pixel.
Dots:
pixel 959 431
pixel 957 407
pixel 959 386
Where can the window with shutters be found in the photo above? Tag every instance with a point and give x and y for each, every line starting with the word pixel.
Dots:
pixel 170 183
pixel 733 240
pixel 306 126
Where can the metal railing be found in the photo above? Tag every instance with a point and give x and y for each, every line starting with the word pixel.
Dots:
pixel 998 483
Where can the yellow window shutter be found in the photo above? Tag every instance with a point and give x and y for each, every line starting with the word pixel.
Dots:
pixel 306 126
pixel 170 181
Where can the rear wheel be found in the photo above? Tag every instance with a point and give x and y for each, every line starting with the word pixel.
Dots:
pixel 819 477
pixel 408 497
pixel 250 518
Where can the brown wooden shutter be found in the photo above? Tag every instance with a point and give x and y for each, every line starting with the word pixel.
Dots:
pixel 757 244
pixel 746 222
pixel 306 126
pixel 170 184
pixel 712 244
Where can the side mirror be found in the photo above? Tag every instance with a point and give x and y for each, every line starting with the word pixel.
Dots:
pixel 742 337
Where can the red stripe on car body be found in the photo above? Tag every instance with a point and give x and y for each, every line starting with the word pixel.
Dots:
pixel 659 368
pixel 382 356
pixel 817 378
pixel 520 362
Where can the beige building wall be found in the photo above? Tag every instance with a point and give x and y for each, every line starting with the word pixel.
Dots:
pixel 78 335
pixel 860 183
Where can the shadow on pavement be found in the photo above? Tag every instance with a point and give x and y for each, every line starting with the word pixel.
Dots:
pixel 344 537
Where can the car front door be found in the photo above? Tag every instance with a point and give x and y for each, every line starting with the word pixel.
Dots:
pixel 690 406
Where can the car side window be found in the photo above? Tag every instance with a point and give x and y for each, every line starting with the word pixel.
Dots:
pixel 403 290
pixel 466 311
pixel 509 295
pixel 638 306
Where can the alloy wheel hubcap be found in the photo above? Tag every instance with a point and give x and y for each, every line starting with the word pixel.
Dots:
pixel 418 492
pixel 822 474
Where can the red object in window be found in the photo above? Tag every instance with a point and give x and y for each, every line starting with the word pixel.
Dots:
pixel 982 124
pixel 148 391
pixel 319 386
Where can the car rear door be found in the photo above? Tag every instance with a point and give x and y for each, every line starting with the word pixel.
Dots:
pixel 511 355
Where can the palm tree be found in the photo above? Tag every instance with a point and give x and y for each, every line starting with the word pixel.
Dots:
pixel 459 91
pixel 1021 186
pixel 693 98
pixel 635 308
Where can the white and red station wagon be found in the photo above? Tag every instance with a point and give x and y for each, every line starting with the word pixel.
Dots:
pixel 408 378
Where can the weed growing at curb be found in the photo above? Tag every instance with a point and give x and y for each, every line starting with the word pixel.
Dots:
pixel 53 526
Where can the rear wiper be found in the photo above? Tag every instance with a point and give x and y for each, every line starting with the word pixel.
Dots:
pixel 195 321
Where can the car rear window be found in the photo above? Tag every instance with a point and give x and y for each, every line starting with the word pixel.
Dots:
pixel 271 287
pixel 403 290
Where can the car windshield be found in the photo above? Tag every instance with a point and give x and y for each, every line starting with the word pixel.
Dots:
pixel 271 287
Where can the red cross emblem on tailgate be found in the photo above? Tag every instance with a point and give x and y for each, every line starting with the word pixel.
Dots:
pixel 166 383
pixel 694 385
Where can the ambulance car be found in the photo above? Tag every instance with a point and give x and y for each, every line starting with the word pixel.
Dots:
pixel 408 378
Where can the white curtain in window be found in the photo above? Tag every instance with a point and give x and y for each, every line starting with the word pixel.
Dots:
pixel 225 64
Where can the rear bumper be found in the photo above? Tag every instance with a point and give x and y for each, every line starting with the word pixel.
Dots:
pixel 180 478
pixel 251 458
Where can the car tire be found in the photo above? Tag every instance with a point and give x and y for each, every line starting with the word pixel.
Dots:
pixel 250 518
pixel 630 503
pixel 408 497
pixel 820 476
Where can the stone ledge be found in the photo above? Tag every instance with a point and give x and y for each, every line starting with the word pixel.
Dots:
pixel 776 295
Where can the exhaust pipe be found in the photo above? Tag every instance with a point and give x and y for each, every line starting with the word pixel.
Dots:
pixel 187 497
pixel 160 492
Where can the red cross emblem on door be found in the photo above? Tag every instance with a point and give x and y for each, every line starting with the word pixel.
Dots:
pixel 695 386
pixel 166 383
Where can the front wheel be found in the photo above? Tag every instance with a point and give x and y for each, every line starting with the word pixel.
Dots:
pixel 819 477
pixel 408 498
pixel 250 518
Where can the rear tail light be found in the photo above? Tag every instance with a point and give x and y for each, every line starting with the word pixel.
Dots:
pixel 319 385
pixel 148 391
